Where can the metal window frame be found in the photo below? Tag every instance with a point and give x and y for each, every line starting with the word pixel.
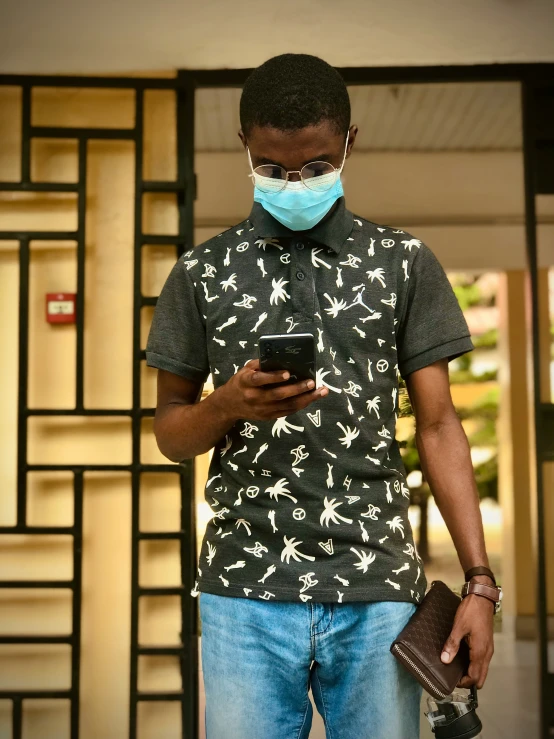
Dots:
pixel 530 77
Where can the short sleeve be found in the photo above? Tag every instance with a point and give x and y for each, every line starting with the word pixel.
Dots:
pixel 432 326
pixel 177 338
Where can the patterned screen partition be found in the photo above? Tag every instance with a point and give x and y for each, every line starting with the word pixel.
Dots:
pixel 36 182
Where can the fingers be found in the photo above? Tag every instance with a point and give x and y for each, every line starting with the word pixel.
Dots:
pixel 288 391
pixel 476 675
pixel 484 673
pixel 451 646
pixel 480 657
pixel 288 406
pixel 268 403
pixel 253 364
pixel 478 668
pixel 256 378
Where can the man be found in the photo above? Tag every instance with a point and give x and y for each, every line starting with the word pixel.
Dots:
pixel 308 568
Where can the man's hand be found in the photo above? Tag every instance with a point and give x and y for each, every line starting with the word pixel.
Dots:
pixel 252 394
pixel 474 622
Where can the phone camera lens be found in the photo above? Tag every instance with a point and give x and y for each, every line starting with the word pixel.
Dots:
pixel 268 350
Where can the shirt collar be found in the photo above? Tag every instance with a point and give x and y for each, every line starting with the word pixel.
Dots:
pixel 331 232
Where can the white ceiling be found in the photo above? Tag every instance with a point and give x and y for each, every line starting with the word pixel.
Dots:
pixel 439 117
pixel 123 36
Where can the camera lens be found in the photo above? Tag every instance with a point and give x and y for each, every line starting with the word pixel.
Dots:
pixel 268 349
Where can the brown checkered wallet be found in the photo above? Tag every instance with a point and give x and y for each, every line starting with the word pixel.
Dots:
pixel 420 643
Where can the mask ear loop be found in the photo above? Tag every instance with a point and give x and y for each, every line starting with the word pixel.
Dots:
pixel 251 175
pixel 345 150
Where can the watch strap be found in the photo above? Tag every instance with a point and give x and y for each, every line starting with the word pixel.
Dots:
pixel 480 570
pixel 477 588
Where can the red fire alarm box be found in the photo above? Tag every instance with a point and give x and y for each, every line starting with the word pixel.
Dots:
pixel 60 307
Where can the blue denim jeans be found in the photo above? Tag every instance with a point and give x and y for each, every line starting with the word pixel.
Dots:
pixel 259 659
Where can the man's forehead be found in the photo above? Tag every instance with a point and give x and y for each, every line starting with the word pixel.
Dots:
pixel 293 149
pixel 324 133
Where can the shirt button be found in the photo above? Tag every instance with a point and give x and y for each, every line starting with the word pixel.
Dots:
pixel 299 245
pixel 300 275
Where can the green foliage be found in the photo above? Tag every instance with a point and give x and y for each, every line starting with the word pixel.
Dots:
pixel 483 412
pixel 485 408
pixel 463 363
pixel 410 457
pixel 486 476
pixel 404 405
pixel 463 374
pixel 488 401
pixel 465 377
pixel 467 295
pixel 485 435
pixel 488 340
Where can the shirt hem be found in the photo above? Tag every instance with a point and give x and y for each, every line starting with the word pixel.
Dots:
pixel 365 595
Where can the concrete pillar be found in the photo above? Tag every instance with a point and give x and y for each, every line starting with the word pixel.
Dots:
pixel 516 441
pixel 545 343
pixel 515 464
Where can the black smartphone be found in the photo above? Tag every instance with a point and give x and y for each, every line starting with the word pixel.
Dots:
pixel 292 352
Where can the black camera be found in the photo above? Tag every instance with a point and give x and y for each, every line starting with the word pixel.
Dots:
pixel 454 717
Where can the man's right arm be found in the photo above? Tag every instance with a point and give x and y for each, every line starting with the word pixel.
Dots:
pixel 185 427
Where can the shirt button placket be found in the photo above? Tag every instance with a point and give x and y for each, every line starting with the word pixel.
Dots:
pixel 299 274
pixel 303 291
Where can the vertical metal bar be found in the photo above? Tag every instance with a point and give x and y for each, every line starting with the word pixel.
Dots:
pixel 17 718
pixel 26 135
pixel 136 417
pixel 24 259
pixel 528 103
pixel 189 612
pixel 189 606
pixel 80 306
pixel 185 158
pixel 76 606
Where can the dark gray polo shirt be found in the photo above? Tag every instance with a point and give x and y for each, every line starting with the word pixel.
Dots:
pixel 314 505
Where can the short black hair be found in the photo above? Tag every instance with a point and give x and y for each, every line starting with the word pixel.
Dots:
pixel 292 91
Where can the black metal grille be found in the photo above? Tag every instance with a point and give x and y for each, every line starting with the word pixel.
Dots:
pixel 183 188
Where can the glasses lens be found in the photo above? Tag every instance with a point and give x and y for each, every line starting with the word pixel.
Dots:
pixel 319 176
pixel 270 177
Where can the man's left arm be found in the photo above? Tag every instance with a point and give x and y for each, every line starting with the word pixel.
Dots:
pixel 446 463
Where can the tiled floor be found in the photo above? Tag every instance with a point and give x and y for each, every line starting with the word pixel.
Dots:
pixel 508 703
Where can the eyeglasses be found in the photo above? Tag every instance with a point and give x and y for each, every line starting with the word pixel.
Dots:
pixel 317 176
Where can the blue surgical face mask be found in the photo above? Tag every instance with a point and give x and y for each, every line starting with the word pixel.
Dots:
pixel 296 206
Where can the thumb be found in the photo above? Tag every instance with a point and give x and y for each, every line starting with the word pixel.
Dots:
pixel 451 646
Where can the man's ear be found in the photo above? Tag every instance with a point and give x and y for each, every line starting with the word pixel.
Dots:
pixel 242 137
pixel 352 133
